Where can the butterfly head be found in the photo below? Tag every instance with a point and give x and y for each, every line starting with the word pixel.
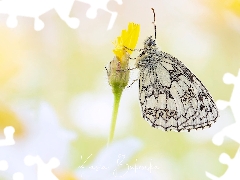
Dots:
pixel 150 43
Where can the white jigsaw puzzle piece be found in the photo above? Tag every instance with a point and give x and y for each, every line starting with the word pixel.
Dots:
pixel 100 4
pixel 8 132
pixel 235 98
pixel 44 170
pixel 3 165
pixel 8 141
pixel 18 176
pixel 231 131
pixel 232 172
pixel 34 143
pixel 36 8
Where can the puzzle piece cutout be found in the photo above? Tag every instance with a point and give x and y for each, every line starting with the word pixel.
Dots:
pixel 232 131
pixel 3 165
pixel 36 8
pixel 233 172
pixel 100 4
pixel 18 176
pixel 8 141
pixel 34 143
pixel 44 170
pixel 8 132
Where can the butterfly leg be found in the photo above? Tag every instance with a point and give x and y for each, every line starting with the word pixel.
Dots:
pixel 107 70
pixel 133 49
pixel 132 83
pixel 129 69
pixel 133 58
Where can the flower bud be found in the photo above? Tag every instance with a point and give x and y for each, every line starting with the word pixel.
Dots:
pixel 118 73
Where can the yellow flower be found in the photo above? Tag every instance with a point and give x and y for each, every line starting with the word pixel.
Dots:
pixel 127 39
pixel 118 73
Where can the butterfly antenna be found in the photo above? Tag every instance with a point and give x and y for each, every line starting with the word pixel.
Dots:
pixel 154 23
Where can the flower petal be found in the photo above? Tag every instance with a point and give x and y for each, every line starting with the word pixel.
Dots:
pixel 127 39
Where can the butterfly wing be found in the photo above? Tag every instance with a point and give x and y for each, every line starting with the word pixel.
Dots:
pixel 171 96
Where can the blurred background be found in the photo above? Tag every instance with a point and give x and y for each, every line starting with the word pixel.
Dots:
pixel 54 89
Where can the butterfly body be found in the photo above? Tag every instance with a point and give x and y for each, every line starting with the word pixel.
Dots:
pixel 170 95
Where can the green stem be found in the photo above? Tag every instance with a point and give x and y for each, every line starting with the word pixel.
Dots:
pixel 117 97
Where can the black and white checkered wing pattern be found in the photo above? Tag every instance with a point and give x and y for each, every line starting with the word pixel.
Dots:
pixel 171 96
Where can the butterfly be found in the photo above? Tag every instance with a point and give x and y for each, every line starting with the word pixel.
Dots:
pixel 170 95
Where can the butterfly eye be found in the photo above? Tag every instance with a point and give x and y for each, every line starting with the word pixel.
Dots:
pixel 151 42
